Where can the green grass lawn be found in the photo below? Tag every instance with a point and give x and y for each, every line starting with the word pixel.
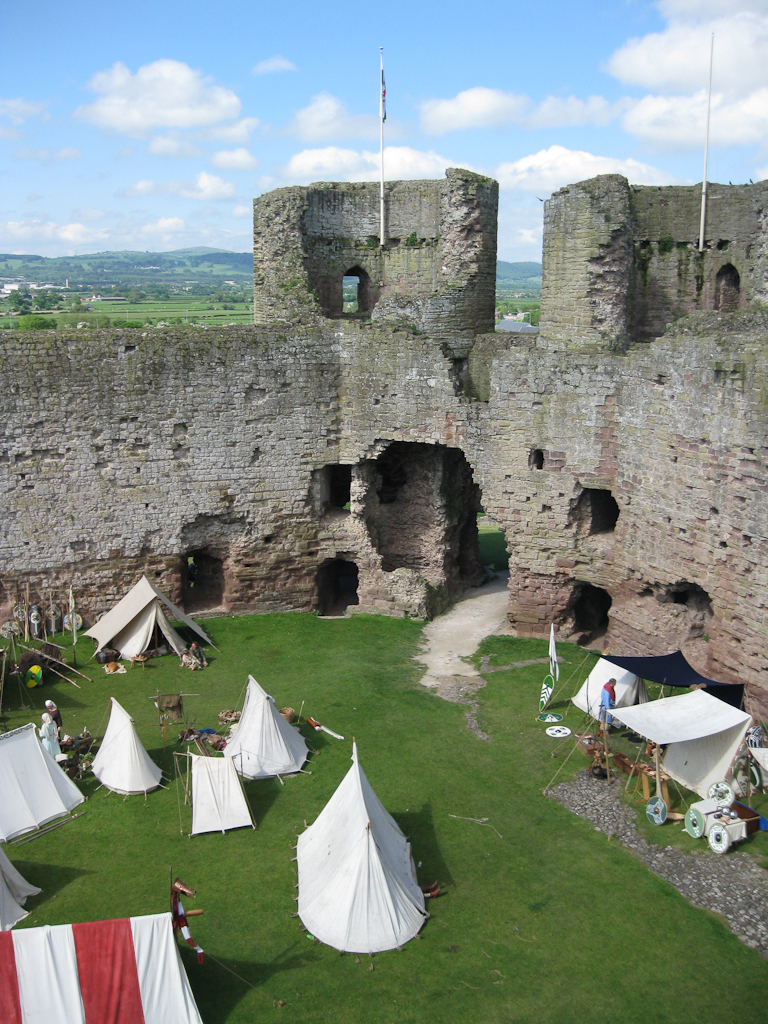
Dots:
pixel 546 921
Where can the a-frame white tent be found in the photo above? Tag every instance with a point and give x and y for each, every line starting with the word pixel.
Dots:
pixel 33 788
pixel 130 625
pixel 264 744
pixel 122 764
pixel 630 689
pixel 357 881
pixel 703 735
pixel 218 801
pixel 14 891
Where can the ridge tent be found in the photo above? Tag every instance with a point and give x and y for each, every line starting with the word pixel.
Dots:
pixel 218 801
pixel 130 625
pixel 264 744
pixel 629 688
pixel 34 789
pixel 14 891
pixel 357 881
pixel 122 764
pixel 703 735
pixel 104 972
pixel 674 670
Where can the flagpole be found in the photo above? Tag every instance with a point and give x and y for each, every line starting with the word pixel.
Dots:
pixel 382 115
pixel 706 153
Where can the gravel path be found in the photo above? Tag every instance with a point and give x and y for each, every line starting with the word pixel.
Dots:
pixel 731 885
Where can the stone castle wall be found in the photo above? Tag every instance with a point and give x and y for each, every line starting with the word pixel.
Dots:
pixel 621 261
pixel 630 480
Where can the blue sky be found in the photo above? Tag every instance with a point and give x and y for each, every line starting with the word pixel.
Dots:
pixel 152 127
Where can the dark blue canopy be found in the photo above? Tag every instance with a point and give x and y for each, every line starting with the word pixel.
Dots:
pixel 674 670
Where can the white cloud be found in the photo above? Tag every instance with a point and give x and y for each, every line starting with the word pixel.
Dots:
pixel 239 131
pixel 173 146
pixel 480 107
pixel 163 94
pixel 677 59
pixel 47 156
pixel 164 226
pixel 679 122
pixel 327 118
pixel 89 213
pixel 761 173
pixel 33 230
pixel 272 64
pixel 550 169
pixel 20 110
pixel 333 163
pixel 234 160
pixel 241 210
pixel 206 186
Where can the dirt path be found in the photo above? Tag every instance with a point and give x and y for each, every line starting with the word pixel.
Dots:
pixel 457 635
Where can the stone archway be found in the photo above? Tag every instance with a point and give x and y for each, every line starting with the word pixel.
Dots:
pixel 727 289
pixel 337 581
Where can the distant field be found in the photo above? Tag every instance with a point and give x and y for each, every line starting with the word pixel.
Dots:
pixel 177 309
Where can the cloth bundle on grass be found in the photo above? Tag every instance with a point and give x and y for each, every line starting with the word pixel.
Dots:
pixel 264 744
pixel 33 788
pixel 122 764
pixel 14 891
pixel 357 881
pixel 105 972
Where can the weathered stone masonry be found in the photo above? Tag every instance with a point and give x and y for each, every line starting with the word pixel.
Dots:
pixel 630 481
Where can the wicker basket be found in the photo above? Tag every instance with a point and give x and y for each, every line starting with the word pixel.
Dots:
pixel 288 714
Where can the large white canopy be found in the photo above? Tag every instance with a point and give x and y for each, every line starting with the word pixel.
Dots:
pixel 14 890
pixel 130 625
pixel 264 744
pixel 218 801
pixel 122 764
pixel 357 881
pixel 703 735
pixel 33 788
pixel 629 688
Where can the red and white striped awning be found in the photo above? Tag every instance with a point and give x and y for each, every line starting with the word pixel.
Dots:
pixel 104 972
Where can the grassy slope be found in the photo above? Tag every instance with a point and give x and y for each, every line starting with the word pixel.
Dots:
pixel 552 922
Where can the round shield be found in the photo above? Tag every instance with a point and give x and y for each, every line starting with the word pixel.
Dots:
pixel 550 716
pixel 722 792
pixel 9 629
pixel 718 838
pixel 695 822
pixel 558 732
pixel 656 809
pixel 78 621
pixel 34 676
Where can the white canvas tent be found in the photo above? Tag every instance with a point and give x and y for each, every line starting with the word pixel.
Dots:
pixel 122 764
pixel 630 689
pixel 130 625
pixel 14 891
pixel 33 788
pixel 703 734
pixel 264 744
pixel 357 881
pixel 218 801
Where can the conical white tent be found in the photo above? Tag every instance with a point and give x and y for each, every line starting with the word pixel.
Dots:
pixel 33 788
pixel 264 744
pixel 629 688
pixel 218 801
pixel 130 625
pixel 122 764
pixel 14 891
pixel 357 881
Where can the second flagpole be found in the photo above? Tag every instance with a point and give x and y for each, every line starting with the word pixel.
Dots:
pixel 382 117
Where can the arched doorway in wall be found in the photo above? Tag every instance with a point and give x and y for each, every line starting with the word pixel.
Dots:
pixel 358 291
pixel 337 581
pixel 590 606
pixel 202 581
pixel 727 289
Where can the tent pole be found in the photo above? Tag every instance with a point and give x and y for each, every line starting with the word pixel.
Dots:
pixel 658 771
pixel 605 744
pixel 2 683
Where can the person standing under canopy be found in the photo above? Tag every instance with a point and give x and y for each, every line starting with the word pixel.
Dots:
pixel 48 735
pixel 608 701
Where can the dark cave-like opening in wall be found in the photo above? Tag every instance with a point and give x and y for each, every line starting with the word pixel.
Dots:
pixel 590 606
pixel 337 581
pixel 202 581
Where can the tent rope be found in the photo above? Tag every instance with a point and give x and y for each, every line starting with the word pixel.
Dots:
pixel 565 762
pixel 212 957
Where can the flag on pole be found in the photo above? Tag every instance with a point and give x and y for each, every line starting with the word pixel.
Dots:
pixel 554 668
pixel 383 95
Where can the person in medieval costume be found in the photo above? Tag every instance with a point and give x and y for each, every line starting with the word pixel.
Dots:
pixel 48 735
pixel 55 714
pixel 196 652
pixel 608 701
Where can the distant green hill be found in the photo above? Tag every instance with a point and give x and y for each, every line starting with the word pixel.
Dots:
pixel 518 275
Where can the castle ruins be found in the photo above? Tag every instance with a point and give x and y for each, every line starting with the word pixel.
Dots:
pixel 322 459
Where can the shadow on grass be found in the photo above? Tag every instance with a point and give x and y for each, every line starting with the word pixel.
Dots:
pixel 419 827
pixel 220 984
pixel 261 794
pixel 51 878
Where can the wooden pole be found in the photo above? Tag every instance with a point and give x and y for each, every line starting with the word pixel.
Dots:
pixel 658 770
pixel 605 743
pixel 2 682
pixel 26 616
pixel 59 662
